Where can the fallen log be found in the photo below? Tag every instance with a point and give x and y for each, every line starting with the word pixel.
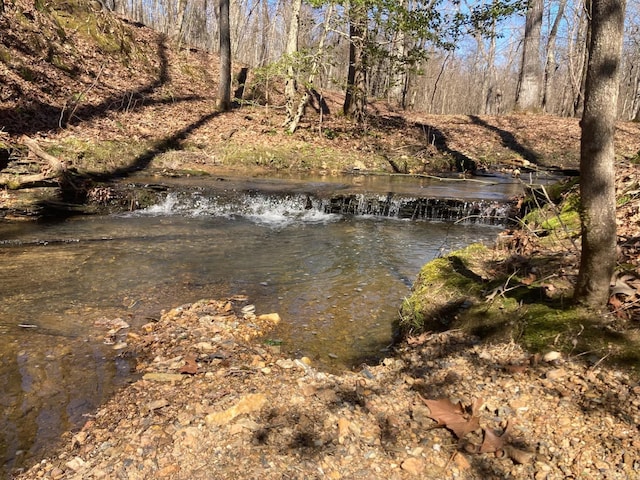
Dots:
pixel 52 169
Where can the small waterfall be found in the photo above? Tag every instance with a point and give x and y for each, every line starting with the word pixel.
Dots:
pixel 282 209
pixel 434 209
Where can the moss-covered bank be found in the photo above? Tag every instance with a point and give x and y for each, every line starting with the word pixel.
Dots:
pixel 501 297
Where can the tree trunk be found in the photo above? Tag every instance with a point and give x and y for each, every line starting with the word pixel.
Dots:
pixel 315 67
pixel 290 86
pixel 224 89
pixel 355 96
pixel 550 63
pixel 584 58
pixel 597 169
pixel 398 80
pixel 528 95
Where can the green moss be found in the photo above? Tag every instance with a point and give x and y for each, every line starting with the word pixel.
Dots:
pixel 444 286
pixel 450 294
pixel 98 157
pixel 566 219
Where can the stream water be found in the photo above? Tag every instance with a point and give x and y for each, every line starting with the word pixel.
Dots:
pixel 337 280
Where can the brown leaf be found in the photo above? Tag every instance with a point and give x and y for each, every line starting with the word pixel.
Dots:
pixel 191 366
pixel 453 416
pixel 492 441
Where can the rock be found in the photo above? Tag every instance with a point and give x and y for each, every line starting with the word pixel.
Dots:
pixel 556 374
pixel 285 363
pixel 551 356
pixel 163 377
pixel 156 404
pixel 76 464
pixel 413 466
pixel 270 317
pixel 247 404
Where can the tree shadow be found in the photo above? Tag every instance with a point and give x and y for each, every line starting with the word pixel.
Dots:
pixel 429 135
pixel 74 186
pixel 37 116
pixel 508 140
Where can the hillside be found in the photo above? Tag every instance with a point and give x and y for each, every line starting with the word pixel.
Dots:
pixel 100 92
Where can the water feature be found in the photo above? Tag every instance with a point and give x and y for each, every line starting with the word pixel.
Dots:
pixel 333 260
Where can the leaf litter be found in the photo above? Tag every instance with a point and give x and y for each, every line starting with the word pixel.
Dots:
pixel 446 406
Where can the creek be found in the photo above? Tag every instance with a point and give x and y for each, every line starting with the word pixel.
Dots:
pixel 333 258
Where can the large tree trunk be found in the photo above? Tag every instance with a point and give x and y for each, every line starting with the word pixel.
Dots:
pixel 355 97
pixel 597 169
pixel 224 89
pixel 528 95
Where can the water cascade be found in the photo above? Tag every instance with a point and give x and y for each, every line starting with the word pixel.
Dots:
pixel 285 208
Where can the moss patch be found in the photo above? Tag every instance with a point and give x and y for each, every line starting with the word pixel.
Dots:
pixel 444 287
pixel 472 290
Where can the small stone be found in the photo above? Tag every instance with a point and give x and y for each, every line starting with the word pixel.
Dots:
pixel 168 471
pixel 76 464
pixel 249 403
pixel 556 374
pixel 57 473
pixel 270 317
pixel 552 356
pixel 163 377
pixel 413 466
pixel 285 363
pixel 343 428
pixel 156 404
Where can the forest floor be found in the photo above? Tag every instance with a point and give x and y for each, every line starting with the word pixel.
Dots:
pixel 213 400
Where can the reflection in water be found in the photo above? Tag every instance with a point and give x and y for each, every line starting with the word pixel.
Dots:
pixel 337 283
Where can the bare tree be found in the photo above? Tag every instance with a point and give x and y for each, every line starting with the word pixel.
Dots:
pixel 550 62
pixel 528 95
pixel 291 52
pixel 597 154
pixel 224 88
pixel 355 97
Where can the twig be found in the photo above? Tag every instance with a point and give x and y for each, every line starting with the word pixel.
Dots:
pixel 77 104
pixel 443 179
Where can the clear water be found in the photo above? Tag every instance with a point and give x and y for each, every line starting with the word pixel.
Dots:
pixel 336 281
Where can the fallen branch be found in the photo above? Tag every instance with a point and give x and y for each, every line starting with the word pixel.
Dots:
pixel 54 168
pixel 443 179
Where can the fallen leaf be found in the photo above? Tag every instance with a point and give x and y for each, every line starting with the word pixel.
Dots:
pixel 191 366
pixel 621 287
pixel 453 416
pixel 492 442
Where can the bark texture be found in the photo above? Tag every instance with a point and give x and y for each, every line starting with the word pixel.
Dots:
pixel 224 92
pixel 528 96
pixel 597 155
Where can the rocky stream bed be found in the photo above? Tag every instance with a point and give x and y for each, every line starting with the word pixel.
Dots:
pixel 214 401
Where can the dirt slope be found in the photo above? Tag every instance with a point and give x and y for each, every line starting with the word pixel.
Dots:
pixel 73 77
